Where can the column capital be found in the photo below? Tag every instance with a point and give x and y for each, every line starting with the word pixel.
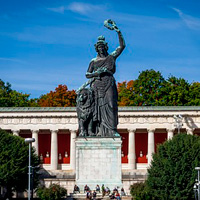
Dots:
pixel 35 131
pixel 169 130
pixel 151 130
pixel 190 131
pixel 54 131
pixel 131 130
pixel 72 131
pixel 16 132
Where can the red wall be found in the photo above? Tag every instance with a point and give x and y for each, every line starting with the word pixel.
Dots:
pixel 124 147
pixel 141 141
pixel 159 138
pixel 64 145
pixel 26 135
pixel 44 141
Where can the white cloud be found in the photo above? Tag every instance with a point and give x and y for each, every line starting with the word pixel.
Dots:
pixel 78 7
pixel 60 9
pixel 83 8
pixel 191 22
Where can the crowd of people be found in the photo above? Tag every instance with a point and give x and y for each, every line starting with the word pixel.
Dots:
pixel 92 194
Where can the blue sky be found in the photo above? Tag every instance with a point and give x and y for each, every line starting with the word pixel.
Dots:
pixel 45 43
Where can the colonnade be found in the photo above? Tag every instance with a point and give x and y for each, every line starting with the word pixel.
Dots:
pixel 131 146
pixel 54 147
pixel 151 145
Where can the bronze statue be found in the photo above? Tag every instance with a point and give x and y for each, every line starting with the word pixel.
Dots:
pixel 85 110
pixel 102 83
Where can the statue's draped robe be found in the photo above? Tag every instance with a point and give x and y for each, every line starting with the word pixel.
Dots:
pixel 105 93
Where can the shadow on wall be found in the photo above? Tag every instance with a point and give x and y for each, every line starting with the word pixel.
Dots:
pixel 190 123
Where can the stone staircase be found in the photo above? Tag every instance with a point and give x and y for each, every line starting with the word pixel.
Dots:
pixel 82 196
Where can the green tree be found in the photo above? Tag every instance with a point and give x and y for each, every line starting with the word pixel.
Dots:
pixel 194 94
pixel 172 172
pixel 146 90
pixel 5 89
pixel 12 98
pixel 14 163
pixel 151 89
pixel 176 92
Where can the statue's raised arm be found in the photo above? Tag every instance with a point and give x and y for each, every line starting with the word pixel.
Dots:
pixel 110 24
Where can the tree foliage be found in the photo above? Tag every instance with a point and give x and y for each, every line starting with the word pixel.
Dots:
pixel 12 98
pixel 14 163
pixel 139 191
pixel 151 89
pixel 176 92
pixel 126 93
pixel 172 172
pixel 54 192
pixel 61 97
pixel 194 94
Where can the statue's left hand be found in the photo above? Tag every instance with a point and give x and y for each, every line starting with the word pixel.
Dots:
pixel 110 24
pixel 116 28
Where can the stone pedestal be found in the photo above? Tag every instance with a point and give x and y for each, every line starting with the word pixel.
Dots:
pixel 98 161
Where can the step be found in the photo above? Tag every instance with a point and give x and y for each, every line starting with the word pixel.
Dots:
pixel 99 196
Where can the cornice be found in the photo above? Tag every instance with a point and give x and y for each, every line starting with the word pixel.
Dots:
pixel 121 109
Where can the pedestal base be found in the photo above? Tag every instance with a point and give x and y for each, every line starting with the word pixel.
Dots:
pixel 98 161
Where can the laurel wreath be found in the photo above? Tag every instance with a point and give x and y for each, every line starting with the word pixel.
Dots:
pixel 110 24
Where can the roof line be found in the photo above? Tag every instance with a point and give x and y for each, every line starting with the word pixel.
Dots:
pixel 121 109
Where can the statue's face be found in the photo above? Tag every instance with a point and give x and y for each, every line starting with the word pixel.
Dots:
pixel 101 49
pixel 83 96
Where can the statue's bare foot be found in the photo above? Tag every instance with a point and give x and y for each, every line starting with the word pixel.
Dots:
pixel 90 133
pixel 83 133
pixel 99 134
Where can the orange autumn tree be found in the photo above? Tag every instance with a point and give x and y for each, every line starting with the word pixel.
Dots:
pixel 61 97
pixel 125 93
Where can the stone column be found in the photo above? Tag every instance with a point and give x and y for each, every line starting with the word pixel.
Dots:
pixel 190 131
pixel 170 134
pixel 131 149
pixel 16 132
pixel 54 150
pixel 73 149
pixel 35 144
pixel 151 147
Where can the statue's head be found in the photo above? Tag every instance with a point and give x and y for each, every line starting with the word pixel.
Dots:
pixel 101 46
pixel 83 95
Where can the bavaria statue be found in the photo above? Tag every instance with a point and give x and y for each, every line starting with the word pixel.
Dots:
pixel 97 99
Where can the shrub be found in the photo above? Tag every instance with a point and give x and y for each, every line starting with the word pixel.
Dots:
pixel 172 172
pixel 54 192
pixel 139 191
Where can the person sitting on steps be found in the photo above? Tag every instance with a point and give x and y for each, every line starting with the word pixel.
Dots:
pixel 76 189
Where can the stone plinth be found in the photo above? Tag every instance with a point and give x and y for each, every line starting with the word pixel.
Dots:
pixel 98 161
